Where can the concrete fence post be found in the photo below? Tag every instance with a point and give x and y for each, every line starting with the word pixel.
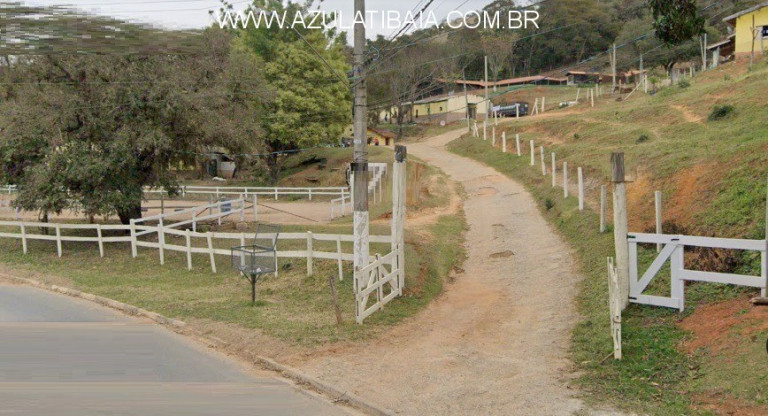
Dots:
pixel 603 192
pixel 504 142
pixel 565 179
pixel 310 254
pixel 533 154
pixel 133 238
pixel 517 143
pixel 100 239
pixel 620 226
pixel 161 240
pixel 24 238
pixel 493 136
pixel 543 165
pixel 485 129
pixel 58 239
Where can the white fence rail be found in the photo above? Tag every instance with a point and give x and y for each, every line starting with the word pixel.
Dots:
pixel 342 205
pixel 673 249
pixel 216 211
pixel 247 191
pixel 135 231
pixel 8 189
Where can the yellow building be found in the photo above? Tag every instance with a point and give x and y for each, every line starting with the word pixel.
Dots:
pixel 750 25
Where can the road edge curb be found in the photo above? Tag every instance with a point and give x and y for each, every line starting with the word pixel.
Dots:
pixel 333 393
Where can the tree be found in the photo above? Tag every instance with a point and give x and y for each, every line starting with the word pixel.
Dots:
pixel 88 132
pixel 676 21
pixel 304 69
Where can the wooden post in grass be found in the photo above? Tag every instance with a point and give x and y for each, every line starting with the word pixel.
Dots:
pixel 620 226
pixel 493 136
pixel 58 239
pixel 554 171
pixel 211 253
pixel 517 143
pixel 543 165
pixel 603 192
pixel 188 239
pixel 657 195
pixel 100 239
pixel 133 238
pixel 338 257
pixel 23 238
pixel 533 154
pixel 592 97
pixel 485 129
pixel 614 304
pixel 543 101
pixel 309 254
pixel 565 179
pixel 504 142
pixel 161 240
pixel 256 207
pixel 581 188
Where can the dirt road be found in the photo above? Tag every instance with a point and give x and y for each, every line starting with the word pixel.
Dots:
pixel 496 341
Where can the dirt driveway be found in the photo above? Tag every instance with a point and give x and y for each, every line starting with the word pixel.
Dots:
pixel 496 341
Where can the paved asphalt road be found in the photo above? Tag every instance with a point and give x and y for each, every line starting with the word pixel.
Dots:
pixel 65 356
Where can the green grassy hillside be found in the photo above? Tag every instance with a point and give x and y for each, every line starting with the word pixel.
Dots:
pixel 711 358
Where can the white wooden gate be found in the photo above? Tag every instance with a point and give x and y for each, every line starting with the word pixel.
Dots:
pixel 378 283
pixel 674 251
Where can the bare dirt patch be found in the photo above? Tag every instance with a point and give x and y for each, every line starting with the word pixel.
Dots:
pixel 717 326
pixel 725 405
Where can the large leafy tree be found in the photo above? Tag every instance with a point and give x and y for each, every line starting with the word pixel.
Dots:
pixel 306 70
pixel 89 131
pixel 676 21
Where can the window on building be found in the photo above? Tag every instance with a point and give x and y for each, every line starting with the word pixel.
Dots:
pixel 765 32
pixel 441 109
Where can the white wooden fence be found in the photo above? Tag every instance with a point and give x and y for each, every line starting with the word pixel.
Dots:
pixel 375 282
pixel 247 191
pixel 342 205
pixel 673 249
pixel 8 189
pixel 165 236
pixel 216 211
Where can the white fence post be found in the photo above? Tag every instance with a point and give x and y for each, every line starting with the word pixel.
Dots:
pixel 614 304
pixel 603 192
pixel 485 130
pixel 255 208
pixel 101 240
pixel 533 154
pixel 493 136
pixel 309 253
pixel 581 188
pixel 517 142
pixel 23 237
pixel 58 239
pixel 133 238
pixel 554 171
pixel 657 194
pixel 543 165
pixel 565 179
pixel 161 240
pixel 188 239
pixel 504 142
pixel 211 253
pixel 242 208
pixel 338 254
pixel 543 102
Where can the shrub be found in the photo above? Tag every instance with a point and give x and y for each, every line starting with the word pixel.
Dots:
pixel 576 136
pixel 684 83
pixel 721 111
pixel 642 139
pixel 548 204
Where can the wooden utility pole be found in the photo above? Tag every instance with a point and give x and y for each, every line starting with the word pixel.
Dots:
pixel 620 226
pixel 360 161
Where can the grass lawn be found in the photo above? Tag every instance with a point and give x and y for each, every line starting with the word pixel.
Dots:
pixel 293 306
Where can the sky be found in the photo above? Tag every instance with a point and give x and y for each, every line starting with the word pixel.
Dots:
pixel 190 14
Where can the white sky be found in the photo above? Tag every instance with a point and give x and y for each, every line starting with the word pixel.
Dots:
pixel 187 14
